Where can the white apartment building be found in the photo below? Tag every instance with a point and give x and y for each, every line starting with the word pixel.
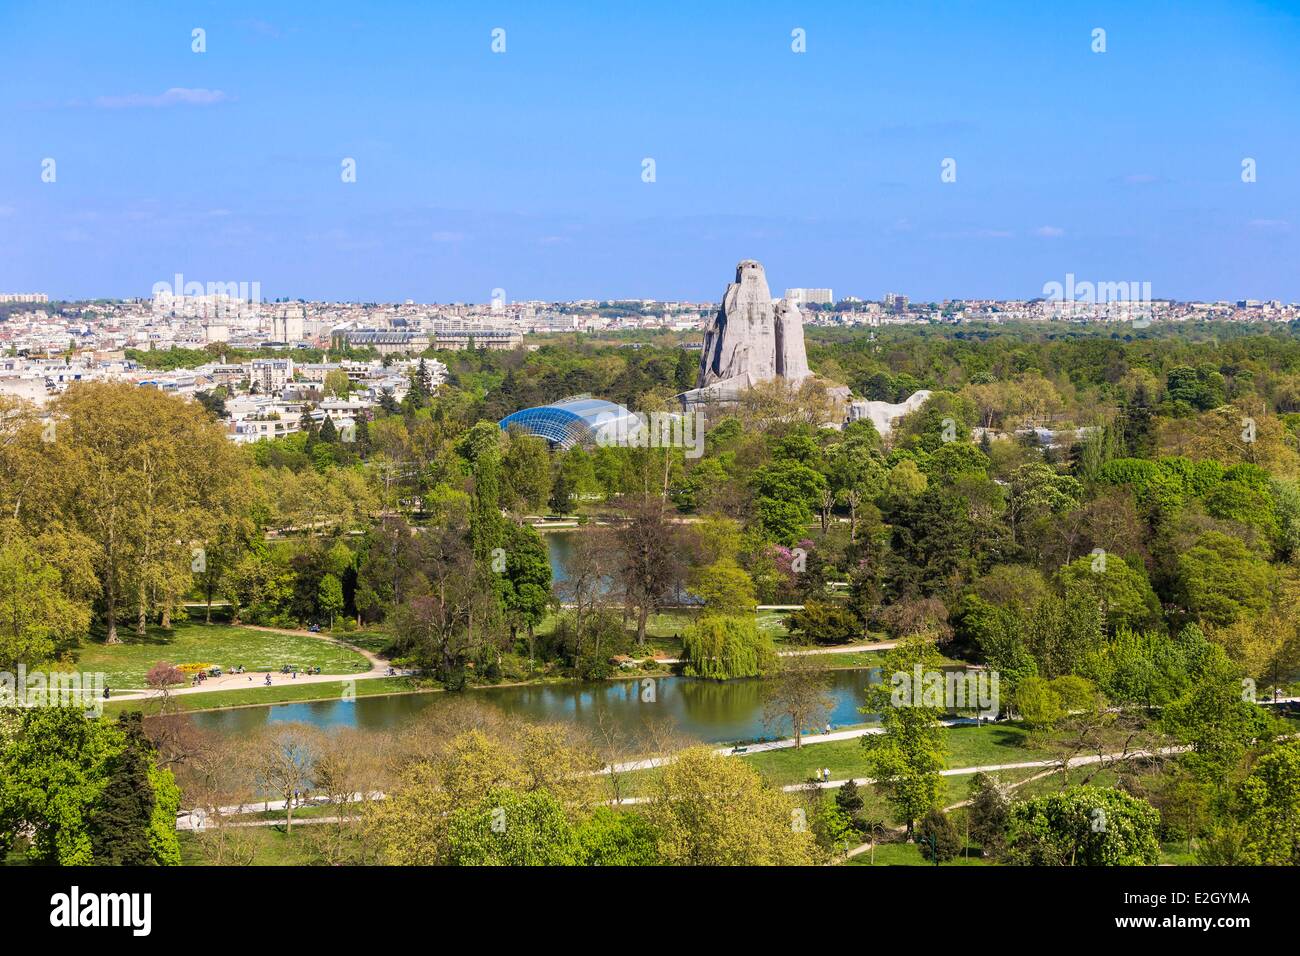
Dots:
pixel 269 375
pixel 810 296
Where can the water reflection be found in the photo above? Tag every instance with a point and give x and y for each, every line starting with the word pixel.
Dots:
pixel 705 710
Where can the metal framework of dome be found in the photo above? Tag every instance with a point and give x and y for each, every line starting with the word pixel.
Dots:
pixel 581 420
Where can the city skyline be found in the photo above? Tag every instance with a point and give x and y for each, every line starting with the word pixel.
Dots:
pixel 524 170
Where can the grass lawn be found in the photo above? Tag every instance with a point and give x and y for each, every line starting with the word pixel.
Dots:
pixel 257 694
pixel 663 631
pixel 125 665
pixel 773 623
pixel 374 640
pixel 270 847
pixel 966 747
pixel 849 660
pixel 909 854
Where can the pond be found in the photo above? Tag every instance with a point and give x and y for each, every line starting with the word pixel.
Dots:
pixel 704 710
pixel 559 545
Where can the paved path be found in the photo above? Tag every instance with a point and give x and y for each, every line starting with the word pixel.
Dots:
pixel 966 771
pixel 196 819
pixel 843 649
pixel 785 743
pixel 838 649
pixel 995 767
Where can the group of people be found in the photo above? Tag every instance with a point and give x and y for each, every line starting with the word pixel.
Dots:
pixel 288 669
pixel 201 676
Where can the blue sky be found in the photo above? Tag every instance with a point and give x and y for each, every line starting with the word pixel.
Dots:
pixel 523 170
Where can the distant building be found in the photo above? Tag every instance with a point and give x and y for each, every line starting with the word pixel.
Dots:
pixel 454 340
pixel 270 375
pixel 33 297
pixel 288 325
pixel 895 302
pixel 809 296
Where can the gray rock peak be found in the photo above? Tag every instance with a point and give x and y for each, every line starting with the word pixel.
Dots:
pixel 752 339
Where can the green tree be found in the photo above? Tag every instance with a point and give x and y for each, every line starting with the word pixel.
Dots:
pixel 1268 806
pixel 526 472
pixel 822 622
pixel 37 617
pixel 849 799
pixel 1037 704
pixel 906 759
pixel 1084 826
pixel 510 828
pixel 798 695
pixel 1216 716
pixel 1220 580
pixel 1122 592
pixel 710 810
pixel 329 598
pixel 937 838
pixel 73 788
pixel 124 826
pixel 526 587
pixel 616 838
pixel 561 494
pixel 724 586
pixel 786 493
pixel 481 447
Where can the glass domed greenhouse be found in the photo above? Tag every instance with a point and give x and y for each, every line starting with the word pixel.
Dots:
pixel 581 420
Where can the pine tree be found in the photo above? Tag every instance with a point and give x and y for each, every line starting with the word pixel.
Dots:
pixel 937 837
pixel 849 799
pixel 120 822
pixel 559 502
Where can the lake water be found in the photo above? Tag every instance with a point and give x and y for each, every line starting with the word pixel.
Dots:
pixel 705 710
pixel 559 545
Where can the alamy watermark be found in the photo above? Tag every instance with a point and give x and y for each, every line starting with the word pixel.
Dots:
pixel 947 690
pixel 53 689
pixel 210 299
pixel 1130 300
pixel 652 430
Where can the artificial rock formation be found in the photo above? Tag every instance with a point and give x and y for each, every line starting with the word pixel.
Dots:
pixel 752 339
pixel 791 359
pixel 883 415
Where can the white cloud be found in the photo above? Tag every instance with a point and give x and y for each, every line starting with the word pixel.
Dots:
pixel 1049 232
pixel 176 96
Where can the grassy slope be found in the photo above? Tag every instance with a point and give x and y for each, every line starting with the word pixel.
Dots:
pixel 126 664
